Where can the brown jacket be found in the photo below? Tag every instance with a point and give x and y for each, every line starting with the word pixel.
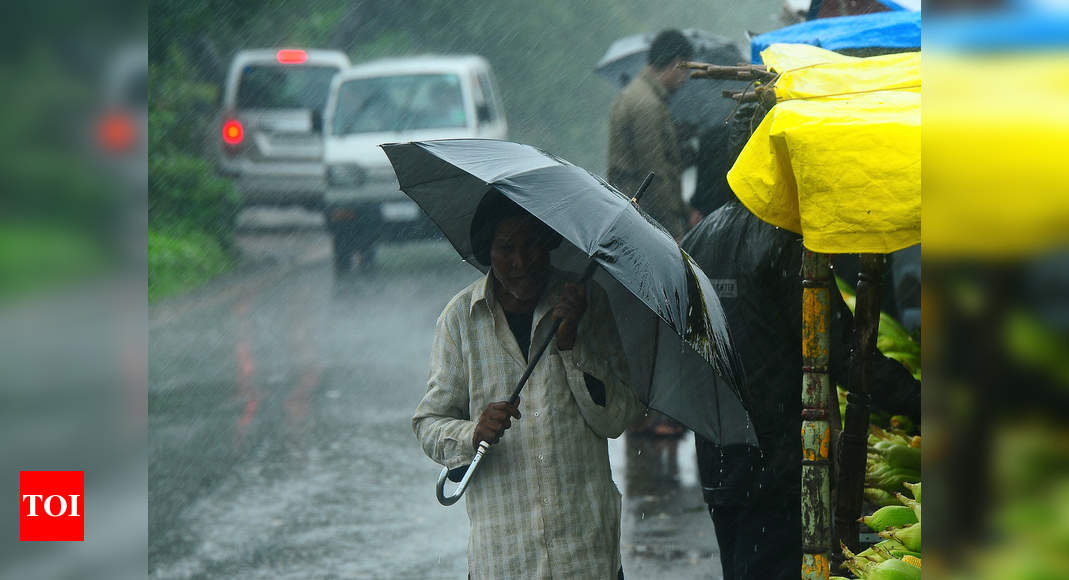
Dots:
pixel 642 138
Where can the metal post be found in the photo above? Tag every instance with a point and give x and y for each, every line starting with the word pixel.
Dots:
pixel 852 447
pixel 816 427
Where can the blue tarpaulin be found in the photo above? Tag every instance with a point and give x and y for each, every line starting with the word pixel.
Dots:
pixel 899 29
pixel 999 31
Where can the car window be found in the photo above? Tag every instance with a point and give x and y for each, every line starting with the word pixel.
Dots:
pixel 488 97
pixel 399 103
pixel 266 86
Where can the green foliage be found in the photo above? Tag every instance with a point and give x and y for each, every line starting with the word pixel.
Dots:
pixel 191 208
pixel 179 261
pixel 39 255
pixel 48 176
pixel 59 207
pixel 892 339
pixel 182 109
pixel 185 194
pixel 1034 344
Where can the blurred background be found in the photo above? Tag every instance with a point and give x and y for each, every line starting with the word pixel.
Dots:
pixel 239 400
pixel 995 227
pixel 73 320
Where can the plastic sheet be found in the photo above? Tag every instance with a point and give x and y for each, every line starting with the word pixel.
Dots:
pixel 839 161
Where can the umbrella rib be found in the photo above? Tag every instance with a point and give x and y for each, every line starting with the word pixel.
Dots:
pixel 553 163
pixel 422 183
pixel 601 236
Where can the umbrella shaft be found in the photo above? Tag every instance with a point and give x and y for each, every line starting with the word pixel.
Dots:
pixel 642 188
pixel 590 267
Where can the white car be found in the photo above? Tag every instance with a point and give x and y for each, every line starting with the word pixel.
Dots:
pixel 389 101
pixel 270 132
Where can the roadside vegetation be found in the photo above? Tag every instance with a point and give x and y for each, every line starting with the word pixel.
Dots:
pixel 191 209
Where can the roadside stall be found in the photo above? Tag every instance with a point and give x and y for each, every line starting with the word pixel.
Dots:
pixel 836 158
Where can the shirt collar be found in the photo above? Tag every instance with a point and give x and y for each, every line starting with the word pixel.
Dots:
pixel 484 292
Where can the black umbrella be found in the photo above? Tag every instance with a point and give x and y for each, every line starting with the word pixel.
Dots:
pixel 670 320
pixel 698 103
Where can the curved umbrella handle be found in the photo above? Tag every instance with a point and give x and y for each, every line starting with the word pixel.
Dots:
pixel 439 490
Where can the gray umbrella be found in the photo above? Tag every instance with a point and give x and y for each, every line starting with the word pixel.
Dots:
pixel 670 320
pixel 699 102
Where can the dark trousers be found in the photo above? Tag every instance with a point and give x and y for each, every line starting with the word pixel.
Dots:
pixel 759 542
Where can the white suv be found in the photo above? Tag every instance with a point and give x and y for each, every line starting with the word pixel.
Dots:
pixel 388 101
pixel 271 127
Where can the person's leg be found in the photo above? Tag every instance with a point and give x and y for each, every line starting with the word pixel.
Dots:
pixel 724 521
pixel 768 543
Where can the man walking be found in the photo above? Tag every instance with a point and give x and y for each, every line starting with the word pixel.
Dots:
pixel 642 137
pixel 543 504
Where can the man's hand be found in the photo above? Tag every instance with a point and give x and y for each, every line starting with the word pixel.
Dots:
pixel 569 309
pixel 694 218
pixel 493 422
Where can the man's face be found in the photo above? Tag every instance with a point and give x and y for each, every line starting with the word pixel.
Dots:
pixel 675 77
pixel 519 257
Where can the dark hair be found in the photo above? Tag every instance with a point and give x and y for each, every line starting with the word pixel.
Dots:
pixel 494 209
pixel 667 46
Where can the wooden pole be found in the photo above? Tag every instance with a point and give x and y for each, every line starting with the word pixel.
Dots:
pixel 852 446
pixel 816 427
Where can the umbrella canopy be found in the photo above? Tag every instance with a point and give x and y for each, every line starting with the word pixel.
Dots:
pixel 699 104
pixel 887 30
pixel 670 320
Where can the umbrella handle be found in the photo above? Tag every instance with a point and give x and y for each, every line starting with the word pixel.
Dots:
pixel 454 497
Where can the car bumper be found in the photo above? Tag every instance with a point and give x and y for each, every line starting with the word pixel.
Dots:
pixel 280 189
pixel 380 220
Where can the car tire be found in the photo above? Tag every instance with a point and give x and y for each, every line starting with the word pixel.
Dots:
pixel 343 255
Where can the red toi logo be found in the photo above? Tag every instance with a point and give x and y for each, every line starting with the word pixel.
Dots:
pixel 51 506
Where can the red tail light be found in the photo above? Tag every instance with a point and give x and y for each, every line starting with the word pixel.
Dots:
pixel 116 132
pixel 291 56
pixel 233 132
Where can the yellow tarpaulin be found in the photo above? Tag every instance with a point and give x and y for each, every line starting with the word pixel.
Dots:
pixel 838 159
pixel 995 171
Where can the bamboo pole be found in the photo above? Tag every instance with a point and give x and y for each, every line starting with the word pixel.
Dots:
pixel 816 428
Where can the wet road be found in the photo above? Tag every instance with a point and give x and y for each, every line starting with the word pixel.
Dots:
pixel 279 435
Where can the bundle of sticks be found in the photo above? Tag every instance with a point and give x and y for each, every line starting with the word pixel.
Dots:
pixel 759 76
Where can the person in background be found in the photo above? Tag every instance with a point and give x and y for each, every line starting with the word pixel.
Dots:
pixel 643 138
pixel 713 162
